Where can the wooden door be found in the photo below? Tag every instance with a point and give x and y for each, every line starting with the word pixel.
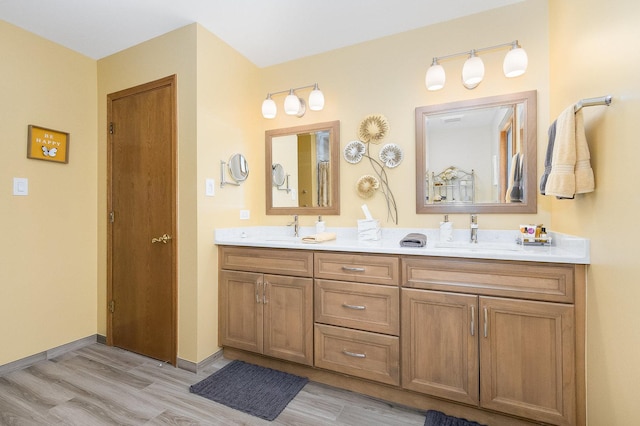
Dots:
pixel 142 199
pixel 527 363
pixel 240 304
pixel 439 344
pixel 288 318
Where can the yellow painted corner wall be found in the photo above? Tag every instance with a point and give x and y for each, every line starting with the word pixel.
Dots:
pixel 226 100
pixel 48 259
pixel 594 52
pixel 386 76
pixel 169 54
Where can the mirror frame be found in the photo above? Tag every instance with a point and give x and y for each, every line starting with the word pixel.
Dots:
pixel 334 158
pixel 530 147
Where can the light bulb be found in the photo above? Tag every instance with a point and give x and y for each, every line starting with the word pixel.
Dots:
pixel 435 78
pixel 316 99
pixel 269 108
pixel 472 71
pixel 291 103
pixel 516 62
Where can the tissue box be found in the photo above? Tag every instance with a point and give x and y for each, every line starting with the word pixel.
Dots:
pixel 369 230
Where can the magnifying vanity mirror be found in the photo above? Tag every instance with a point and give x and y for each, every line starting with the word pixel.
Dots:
pixel 238 168
pixel 477 156
pixel 303 169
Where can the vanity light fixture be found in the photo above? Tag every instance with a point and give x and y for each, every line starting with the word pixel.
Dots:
pixel 515 64
pixel 293 104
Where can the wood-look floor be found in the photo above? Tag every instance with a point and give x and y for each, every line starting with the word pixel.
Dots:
pixel 102 385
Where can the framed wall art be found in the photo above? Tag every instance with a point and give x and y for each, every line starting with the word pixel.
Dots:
pixel 47 144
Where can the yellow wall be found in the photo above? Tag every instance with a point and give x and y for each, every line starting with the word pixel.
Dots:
pixel 386 76
pixel 48 255
pixel 594 52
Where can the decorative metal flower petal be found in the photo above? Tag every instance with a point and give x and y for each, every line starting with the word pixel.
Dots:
pixel 373 128
pixel 367 186
pixel 354 151
pixel 391 155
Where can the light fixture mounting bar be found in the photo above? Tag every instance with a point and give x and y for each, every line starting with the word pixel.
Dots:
pixel 294 89
pixel 482 49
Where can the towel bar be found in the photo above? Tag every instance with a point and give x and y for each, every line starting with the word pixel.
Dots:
pixel 602 100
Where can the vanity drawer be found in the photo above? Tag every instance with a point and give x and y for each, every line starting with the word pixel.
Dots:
pixel 358 353
pixel 367 307
pixel 375 269
pixel 298 263
pixel 552 282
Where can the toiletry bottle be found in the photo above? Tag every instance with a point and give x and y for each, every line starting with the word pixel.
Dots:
pixel 319 225
pixel 446 230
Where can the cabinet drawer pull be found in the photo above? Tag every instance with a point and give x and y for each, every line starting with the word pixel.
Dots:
pixel 485 322
pixel 354 307
pixel 352 269
pixel 353 354
pixel 264 292
pixel 258 284
pixel 473 320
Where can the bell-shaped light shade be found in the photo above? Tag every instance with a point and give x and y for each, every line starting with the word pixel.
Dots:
pixel 291 103
pixel 515 63
pixel 269 108
pixel 472 71
pixel 435 78
pixel 316 99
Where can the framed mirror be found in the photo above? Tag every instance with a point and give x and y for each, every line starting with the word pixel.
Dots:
pixel 310 155
pixel 477 156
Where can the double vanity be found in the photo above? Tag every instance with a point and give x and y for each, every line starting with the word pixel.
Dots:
pixel 492 331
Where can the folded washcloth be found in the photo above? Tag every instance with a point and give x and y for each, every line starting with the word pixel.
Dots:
pixel 319 238
pixel 414 239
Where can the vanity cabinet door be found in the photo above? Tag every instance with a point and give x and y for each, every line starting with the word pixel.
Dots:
pixel 241 319
pixel 527 358
pixel 440 344
pixel 288 318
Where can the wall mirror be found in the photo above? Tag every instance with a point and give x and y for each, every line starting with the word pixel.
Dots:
pixel 303 169
pixel 477 156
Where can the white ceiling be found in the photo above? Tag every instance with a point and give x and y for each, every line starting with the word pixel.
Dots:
pixel 267 32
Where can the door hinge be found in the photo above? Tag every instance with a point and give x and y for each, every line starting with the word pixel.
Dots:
pixel 112 217
pixel 112 306
pixel 112 128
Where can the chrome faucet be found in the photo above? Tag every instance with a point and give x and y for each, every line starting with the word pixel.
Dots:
pixel 296 226
pixel 474 228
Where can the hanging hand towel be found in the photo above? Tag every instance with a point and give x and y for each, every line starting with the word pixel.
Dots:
pixel 548 157
pixel 570 168
pixel 585 181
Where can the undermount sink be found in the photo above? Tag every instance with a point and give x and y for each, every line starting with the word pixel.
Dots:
pixel 479 246
pixel 283 239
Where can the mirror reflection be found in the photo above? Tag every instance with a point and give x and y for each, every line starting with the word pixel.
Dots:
pixel 477 156
pixel 303 169
pixel 238 167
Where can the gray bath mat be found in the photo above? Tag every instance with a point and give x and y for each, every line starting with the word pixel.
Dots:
pixel 436 418
pixel 259 391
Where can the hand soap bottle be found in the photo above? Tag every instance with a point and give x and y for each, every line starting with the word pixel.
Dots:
pixel 319 225
pixel 446 230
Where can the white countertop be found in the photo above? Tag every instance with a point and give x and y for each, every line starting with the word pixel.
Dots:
pixel 493 244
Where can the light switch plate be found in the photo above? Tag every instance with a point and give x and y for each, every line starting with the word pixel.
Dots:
pixel 210 188
pixel 20 186
pixel 244 214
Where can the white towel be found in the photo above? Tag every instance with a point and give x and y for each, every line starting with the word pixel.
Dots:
pixel 571 171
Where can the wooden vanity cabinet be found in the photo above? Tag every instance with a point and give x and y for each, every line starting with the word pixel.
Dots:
pixel 266 302
pixel 508 354
pixel 357 322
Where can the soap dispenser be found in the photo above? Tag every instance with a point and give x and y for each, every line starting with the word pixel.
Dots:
pixel 446 230
pixel 319 225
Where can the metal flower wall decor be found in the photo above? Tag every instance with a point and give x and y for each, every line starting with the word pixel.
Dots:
pixel 372 130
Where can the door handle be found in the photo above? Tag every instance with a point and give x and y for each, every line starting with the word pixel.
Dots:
pixel 162 239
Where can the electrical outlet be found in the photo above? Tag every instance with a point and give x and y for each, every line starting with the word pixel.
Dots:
pixel 244 214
